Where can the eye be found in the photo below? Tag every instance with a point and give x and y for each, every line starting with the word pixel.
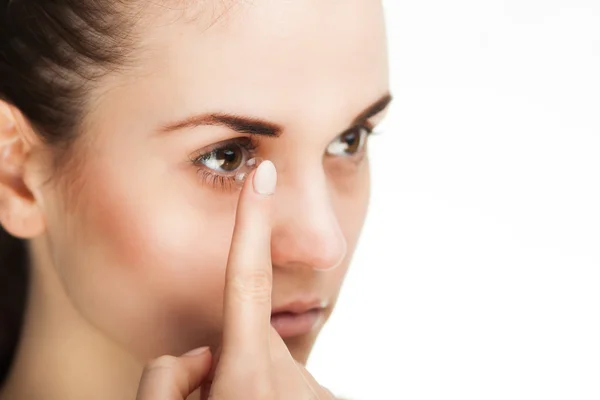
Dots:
pixel 349 143
pixel 226 165
pixel 227 158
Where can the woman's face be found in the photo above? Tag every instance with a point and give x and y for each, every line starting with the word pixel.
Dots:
pixel 140 228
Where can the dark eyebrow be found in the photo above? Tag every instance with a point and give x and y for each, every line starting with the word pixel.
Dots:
pixel 373 110
pixel 238 123
pixel 256 126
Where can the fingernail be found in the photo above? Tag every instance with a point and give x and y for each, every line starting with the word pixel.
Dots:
pixel 196 352
pixel 265 178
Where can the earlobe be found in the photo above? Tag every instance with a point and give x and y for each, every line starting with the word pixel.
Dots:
pixel 20 219
pixel 20 214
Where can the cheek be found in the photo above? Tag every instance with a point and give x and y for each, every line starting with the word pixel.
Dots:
pixel 150 257
pixel 351 203
pixel 154 228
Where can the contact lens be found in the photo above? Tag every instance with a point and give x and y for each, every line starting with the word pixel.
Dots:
pixel 249 166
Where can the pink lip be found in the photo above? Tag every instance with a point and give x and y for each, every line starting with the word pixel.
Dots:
pixel 299 306
pixel 291 325
pixel 297 318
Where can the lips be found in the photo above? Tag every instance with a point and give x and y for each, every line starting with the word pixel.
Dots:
pixel 297 318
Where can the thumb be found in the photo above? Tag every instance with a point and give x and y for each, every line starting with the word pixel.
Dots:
pixel 174 378
pixel 210 376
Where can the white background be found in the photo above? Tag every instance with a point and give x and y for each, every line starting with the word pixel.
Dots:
pixel 478 275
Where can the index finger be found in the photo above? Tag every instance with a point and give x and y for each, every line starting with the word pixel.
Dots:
pixel 248 282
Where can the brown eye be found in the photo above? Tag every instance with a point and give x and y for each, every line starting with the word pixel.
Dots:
pixel 352 141
pixel 349 143
pixel 228 158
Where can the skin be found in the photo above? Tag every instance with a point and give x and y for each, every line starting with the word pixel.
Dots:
pixel 248 338
pixel 130 246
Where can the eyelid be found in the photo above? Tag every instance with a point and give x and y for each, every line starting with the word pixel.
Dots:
pixel 250 143
pixel 367 125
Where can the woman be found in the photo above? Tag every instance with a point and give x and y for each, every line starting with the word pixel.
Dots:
pixel 131 140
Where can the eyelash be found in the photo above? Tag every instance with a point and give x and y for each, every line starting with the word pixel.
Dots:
pixel 250 144
pixel 215 181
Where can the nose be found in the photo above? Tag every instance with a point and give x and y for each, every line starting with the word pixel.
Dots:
pixel 306 231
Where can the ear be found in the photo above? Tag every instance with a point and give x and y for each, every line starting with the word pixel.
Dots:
pixel 20 214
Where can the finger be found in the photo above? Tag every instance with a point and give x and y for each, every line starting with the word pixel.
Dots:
pixel 174 378
pixel 248 283
pixel 294 377
pixel 289 369
pixel 279 352
pixel 207 382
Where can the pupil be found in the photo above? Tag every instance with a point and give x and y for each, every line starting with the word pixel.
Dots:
pixel 353 142
pixel 229 158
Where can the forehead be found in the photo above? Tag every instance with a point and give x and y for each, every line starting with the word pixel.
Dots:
pixel 277 55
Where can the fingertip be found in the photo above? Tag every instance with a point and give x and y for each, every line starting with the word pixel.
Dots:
pixel 169 377
pixel 264 179
pixel 196 352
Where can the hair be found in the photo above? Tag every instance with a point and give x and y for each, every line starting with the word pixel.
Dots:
pixel 52 52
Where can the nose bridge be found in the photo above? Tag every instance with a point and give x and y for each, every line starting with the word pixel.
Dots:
pixel 306 231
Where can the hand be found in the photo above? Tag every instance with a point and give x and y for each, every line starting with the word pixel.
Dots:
pixel 254 363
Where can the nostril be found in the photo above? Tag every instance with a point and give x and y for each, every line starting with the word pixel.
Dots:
pixel 331 266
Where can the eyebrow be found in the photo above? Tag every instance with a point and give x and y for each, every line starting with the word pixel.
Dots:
pixel 373 110
pixel 257 126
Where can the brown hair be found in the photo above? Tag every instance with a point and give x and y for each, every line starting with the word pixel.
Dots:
pixel 51 53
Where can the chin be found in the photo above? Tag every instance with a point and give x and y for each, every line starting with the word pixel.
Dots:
pixel 300 347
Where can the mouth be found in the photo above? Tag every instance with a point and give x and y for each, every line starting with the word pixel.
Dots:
pixel 298 318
